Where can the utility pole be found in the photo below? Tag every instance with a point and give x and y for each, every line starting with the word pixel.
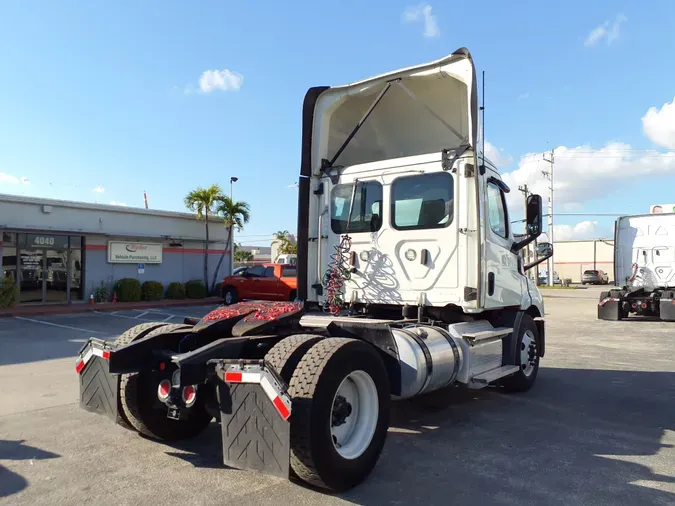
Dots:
pixel 549 175
pixel 525 192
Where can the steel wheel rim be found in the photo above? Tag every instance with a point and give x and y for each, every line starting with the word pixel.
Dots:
pixel 353 433
pixel 528 351
pixel 228 297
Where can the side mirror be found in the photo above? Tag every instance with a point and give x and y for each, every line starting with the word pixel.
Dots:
pixel 544 252
pixel 533 215
pixel 533 220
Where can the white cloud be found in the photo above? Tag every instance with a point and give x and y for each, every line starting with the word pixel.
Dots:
pixel 659 125
pixel 422 12
pixel 608 31
pixel 113 203
pixel 580 231
pixel 223 80
pixel 8 178
pixel 582 173
pixel 524 96
pixel 496 156
pixel 98 189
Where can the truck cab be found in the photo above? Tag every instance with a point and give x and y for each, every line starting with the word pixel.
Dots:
pixel 402 202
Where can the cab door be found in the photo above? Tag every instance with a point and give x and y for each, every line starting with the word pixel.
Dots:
pixel 503 281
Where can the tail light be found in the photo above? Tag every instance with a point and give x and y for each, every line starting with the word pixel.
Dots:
pixel 189 395
pixel 164 390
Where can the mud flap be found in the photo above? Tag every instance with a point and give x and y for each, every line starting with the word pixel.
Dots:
pixel 254 422
pixel 610 309
pixel 98 388
pixel 667 310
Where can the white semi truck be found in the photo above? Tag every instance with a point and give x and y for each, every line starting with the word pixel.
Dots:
pixel 410 279
pixel 644 269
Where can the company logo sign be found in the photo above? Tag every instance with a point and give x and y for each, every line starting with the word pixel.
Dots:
pixel 120 252
pixel 662 208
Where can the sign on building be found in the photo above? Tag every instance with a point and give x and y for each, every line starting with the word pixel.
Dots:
pixel 662 208
pixel 120 252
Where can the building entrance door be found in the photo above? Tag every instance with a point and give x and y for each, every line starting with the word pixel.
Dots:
pixel 43 271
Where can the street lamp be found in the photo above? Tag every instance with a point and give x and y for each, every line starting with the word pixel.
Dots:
pixel 232 181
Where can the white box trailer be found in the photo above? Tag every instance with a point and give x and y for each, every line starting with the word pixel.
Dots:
pixel 644 269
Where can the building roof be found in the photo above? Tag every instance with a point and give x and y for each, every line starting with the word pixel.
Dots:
pixel 99 207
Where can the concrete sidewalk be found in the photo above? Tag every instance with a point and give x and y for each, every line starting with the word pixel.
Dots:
pixel 83 307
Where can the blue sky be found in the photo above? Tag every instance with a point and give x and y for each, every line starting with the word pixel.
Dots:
pixel 107 96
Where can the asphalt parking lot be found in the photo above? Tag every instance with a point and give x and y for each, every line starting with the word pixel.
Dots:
pixel 597 428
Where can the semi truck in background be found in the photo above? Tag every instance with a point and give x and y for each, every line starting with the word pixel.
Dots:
pixel 644 269
pixel 410 279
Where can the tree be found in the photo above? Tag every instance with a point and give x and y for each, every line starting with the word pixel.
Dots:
pixel 204 201
pixel 242 255
pixel 234 215
pixel 286 246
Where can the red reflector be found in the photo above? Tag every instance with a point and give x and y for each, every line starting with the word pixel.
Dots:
pixel 233 377
pixel 189 394
pixel 164 389
pixel 162 366
pixel 79 366
pixel 281 408
pixel 106 355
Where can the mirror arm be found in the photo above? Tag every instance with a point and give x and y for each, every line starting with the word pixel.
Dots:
pixel 537 262
pixel 518 245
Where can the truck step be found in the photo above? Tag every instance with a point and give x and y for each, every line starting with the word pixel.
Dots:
pixel 500 332
pixel 495 374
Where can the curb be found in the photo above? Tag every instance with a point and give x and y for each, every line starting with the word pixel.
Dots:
pixel 108 306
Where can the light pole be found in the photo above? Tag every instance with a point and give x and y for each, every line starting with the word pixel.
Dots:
pixel 231 245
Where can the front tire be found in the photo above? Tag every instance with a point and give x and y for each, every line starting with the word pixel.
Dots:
pixel 340 417
pixel 527 357
pixel 230 295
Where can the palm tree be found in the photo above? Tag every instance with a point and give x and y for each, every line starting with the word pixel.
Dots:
pixel 204 201
pixel 235 215
pixel 286 247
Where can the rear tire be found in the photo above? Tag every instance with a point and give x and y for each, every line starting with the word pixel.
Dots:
pixel 527 357
pixel 358 418
pixel 137 332
pixel 285 356
pixel 138 393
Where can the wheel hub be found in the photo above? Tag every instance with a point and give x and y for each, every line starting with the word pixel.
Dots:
pixel 528 353
pixel 342 409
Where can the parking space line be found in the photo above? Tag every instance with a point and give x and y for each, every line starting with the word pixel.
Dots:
pixel 60 326
pixel 168 318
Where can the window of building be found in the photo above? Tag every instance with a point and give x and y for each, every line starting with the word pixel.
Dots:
pixel 497 215
pixel 9 256
pixel 366 212
pixel 422 202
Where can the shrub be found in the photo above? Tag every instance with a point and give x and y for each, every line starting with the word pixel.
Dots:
pixel 195 289
pixel 9 292
pixel 152 290
pixel 102 292
pixel 175 291
pixel 128 290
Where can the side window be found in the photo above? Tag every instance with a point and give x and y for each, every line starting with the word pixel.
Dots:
pixel 422 202
pixel 497 211
pixel 366 212
pixel 269 272
pixel 256 272
pixel 289 271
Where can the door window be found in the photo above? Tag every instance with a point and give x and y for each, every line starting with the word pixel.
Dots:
pixel 366 212
pixel 256 272
pixel 269 272
pixel 422 202
pixel 497 215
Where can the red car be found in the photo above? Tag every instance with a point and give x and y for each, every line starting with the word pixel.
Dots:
pixel 261 282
